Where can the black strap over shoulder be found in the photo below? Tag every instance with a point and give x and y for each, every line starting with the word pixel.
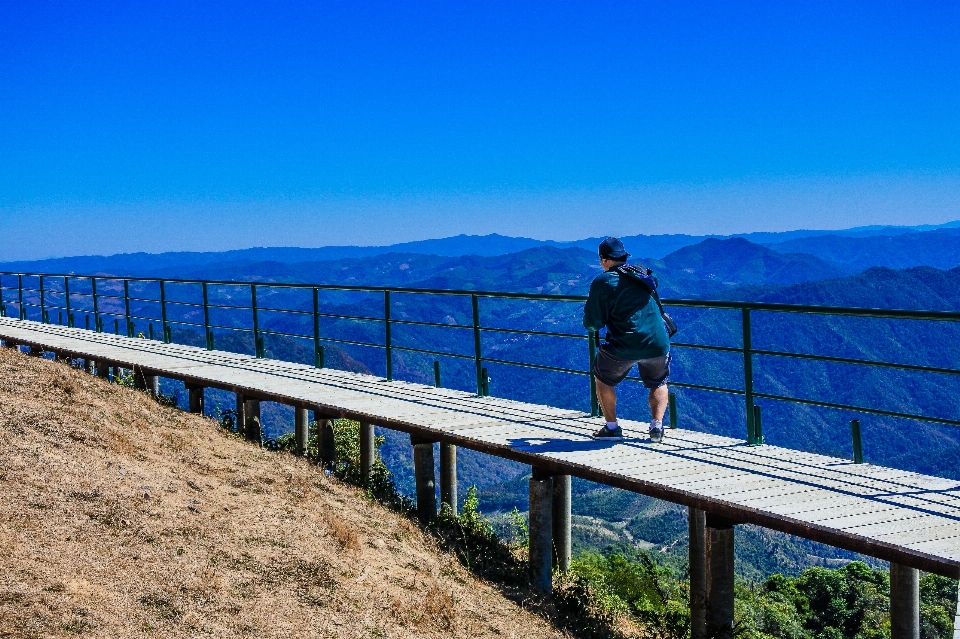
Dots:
pixel 643 276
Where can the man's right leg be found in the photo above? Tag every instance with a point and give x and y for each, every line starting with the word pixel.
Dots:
pixel 608 371
pixel 607 397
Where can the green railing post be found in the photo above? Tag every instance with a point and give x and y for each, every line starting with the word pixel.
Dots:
pixel 126 307
pixel 163 312
pixel 3 307
pixel 321 357
pixel 317 355
pixel 388 339
pixel 477 352
pixel 485 386
pixel 257 342
pixel 594 400
pixel 86 319
pixel 97 323
pixel 672 403
pixel 208 336
pixel 757 426
pixel 857 442
pixel 43 305
pixel 748 376
pixel 66 297
pixel 23 311
pixel 436 373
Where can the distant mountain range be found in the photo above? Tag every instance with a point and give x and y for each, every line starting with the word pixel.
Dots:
pixel 939 248
pixel 850 250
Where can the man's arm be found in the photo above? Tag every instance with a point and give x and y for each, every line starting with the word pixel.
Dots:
pixel 593 310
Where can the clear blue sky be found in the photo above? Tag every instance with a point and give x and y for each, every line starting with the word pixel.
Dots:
pixel 156 126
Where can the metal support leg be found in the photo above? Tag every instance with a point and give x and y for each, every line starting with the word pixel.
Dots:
pixel 561 522
pixel 328 449
pixel 904 602
pixel 139 379
pixel 153 385
pixel 301 426
pixel 251 420
pixel 720 577
pixel 423 470
pixel 103 369
pixel 541 532
pixel 448 476
pixel 697 526
pixel 240 414
pixel 956 619
pixel 196 399
pixel 368 452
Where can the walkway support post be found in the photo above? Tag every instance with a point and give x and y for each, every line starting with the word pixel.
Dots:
pixel 196 399
pixel 153 385
pixel 144 382
pixel 541 531
pixel 956 618
pixel 720 575
pixel 368 452
pixel 448 476
pixel 251 420
pixel 301 427
pixel 328 450
pixel 423 470
pixel 697 529
pixel 240 422
pixel 103 369
pixel 904 602
pixel 562 514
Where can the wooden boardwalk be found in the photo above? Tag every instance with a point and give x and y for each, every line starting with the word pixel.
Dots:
pixel 906 518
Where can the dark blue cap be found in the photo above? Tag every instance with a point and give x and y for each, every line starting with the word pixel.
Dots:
pixel 612 248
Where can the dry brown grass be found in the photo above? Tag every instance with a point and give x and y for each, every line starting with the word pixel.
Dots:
pixel 123 518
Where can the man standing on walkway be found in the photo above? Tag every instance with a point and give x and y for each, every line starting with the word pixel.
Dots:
pixel 635 336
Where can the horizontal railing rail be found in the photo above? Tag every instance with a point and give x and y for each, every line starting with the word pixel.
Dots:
pixel 112 298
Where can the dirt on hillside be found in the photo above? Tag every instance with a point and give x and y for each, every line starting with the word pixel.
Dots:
pixel 120 517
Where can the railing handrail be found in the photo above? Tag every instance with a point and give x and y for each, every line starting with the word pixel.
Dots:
pixel 819 309
pixel 48 298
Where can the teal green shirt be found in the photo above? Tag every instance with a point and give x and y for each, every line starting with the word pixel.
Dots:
pixel 634 327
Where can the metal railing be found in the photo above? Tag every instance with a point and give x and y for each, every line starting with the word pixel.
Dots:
pixel 105 298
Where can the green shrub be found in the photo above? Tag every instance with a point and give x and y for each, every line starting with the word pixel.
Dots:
pixel 472 539
pixel 938 605
pixel 618 584
pixel 346 467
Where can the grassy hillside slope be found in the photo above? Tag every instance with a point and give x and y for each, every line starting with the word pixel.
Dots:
pixel 124 518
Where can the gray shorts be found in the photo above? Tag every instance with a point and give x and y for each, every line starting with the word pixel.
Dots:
pixel 611 370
